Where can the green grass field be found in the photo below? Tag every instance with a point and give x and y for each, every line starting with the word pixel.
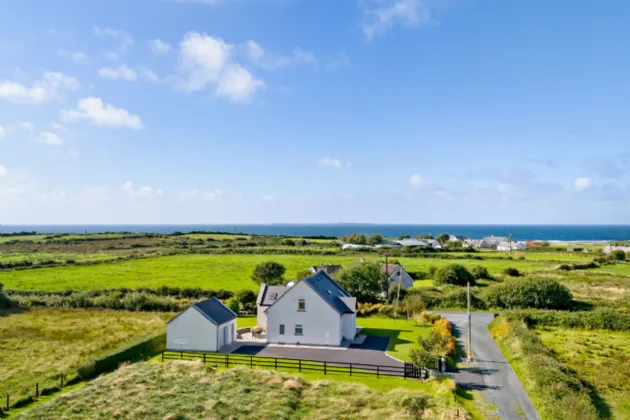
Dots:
pixel 601 359
pixel 230 272
pixel 38 345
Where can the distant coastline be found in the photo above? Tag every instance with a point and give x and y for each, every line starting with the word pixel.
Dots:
pixel 552 233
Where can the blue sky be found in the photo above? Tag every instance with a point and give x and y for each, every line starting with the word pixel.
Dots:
pixel 257 111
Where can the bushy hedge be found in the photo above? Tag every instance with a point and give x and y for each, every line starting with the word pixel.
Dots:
pixel 558 393
pixel 599 319
pixel 454 274
pixel 537 293
pixel 5 301
pixel 177 292
pixel 512 272
pixel 448 297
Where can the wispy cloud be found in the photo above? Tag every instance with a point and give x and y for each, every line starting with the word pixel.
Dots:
pixel 76 56
pixel 96 112
pixel 380 15
pixel 331 162
pixel 51 87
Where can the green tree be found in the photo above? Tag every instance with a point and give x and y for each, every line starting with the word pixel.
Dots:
pixel 247 299
pixel 414 305
pixel 455 274
pixel 302 274
pixel 353 238
pixel 288 242
pixel 424 355
pixel 374 239
pixel 269 272
pixel 480 272
pixel 404 237
pixel 363 281
pixel 617 255
pixel 512 272
pixel 442 237
pixel 234 305
pixel 535 293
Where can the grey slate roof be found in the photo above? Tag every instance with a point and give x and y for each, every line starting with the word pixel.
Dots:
pixel 329 290
pixel 329 269
pixel 215 311
pixel 269 294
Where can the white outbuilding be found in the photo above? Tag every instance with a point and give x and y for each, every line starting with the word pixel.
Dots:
pixel 205 326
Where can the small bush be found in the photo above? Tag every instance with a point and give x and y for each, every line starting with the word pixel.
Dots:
pixel 512 272
pixel 454 274
pixel 480 272
pixel 429 317
pixel 538 293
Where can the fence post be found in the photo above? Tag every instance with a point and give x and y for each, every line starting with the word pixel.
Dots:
pixel 227 360
pixel 204 358
pixel 405 371
pixel 300 364
pixel 276 363
pixel 181 355
pixel 162 357
pixel 37 390
pixel 377 371
pixel 251 362
pixel 350 369
pixel 324 368
pixel 7 402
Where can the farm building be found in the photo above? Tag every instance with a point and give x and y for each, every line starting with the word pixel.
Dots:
pixel 205 326
pixel 510 246
pixel 330 269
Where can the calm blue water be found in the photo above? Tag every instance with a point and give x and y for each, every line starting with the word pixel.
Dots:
pixel 519 232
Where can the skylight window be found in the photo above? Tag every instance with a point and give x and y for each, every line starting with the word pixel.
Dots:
pixel 273 296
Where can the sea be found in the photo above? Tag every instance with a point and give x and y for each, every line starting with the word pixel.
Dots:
pixel 565 233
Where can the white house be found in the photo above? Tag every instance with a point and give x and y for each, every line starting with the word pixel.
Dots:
pixel 609 249
pixel 330 269
pixel 491 242
pixel 314 311
pixel 412 243
pixel 434 244
pixel 267 296
pixel 354 246
pixel 397 274
pixel 205 326
pixel 510 246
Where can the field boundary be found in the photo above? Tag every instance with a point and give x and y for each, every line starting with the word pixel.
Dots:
pixel 407 371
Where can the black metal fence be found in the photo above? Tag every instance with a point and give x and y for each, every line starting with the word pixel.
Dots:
pixel 406 370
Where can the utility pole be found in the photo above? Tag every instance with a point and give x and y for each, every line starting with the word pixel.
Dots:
pixel 469 358
pixel 510 239
pixel 397 297
pixel 386 278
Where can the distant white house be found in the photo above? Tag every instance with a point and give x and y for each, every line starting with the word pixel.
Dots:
pixel 609 249
pixel 395 274
pixel 355 246
pixel 330 269
pixel 434 244
pixel 456 238
pixel 491 242
pixel 205 326
pixel 316 311
pixel 510 246
pixel 412 243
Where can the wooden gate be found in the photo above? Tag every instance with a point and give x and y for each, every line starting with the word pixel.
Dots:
pixel 412 371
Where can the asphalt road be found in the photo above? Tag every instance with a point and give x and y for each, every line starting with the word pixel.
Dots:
pixel 490 373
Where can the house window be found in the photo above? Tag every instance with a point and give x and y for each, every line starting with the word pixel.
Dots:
pixel 273 296
pixel 302 305
pixel 281 329
pixel 298 330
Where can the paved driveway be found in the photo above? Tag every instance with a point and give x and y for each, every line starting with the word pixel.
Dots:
pixel 491 373
pixel 372 352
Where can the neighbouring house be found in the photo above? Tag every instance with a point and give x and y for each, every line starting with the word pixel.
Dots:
pixel 354 246
pixel 609 249
pixel 205 326
pixel 412 243
pixel 330 269
pixel 267 296
pixel 491 242
pixel 456 238
pixel 471 243
pixel 434 244
pixel 395 274
pixel 510 246
pixel 316 311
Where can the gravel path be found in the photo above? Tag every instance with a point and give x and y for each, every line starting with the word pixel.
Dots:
pixel 490 373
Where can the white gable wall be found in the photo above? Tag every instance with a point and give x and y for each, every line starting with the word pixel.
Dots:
pixel 261 316
pixel 199 332
pixel 321 323
pixel 405 278
pixel 227 333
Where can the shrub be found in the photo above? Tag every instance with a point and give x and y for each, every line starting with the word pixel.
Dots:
pixel 617 255
pixel 480 272
pixel 538 293
pixel 234 305
pixel 511 271
pixel 431 271
pixel 269 272
pixel 454 274
pixel 393 293
pixel 599 319
pixel 429 317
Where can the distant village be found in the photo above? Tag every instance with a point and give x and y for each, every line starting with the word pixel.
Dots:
pixel 498 243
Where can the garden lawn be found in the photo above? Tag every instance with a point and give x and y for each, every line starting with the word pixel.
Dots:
pixel 230 272
pixel 38 345
pixel 601 359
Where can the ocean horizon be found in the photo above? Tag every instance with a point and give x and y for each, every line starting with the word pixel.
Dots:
pixel 519 232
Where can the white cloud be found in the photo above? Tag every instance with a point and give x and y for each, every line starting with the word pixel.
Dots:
pixel 3 132
pixel 148 75
pixel 49 138
pixel 207 62
pixel 214 194
pixel 272 61
pixel 51 87
pixel 338 62
pixel 76 56
pixel 582 184
pixel 417 181
pixel 270 197
pixel 333 162
pixel 159 47
pixel 124 39
pixel 123 72
pixel 95 111
pixel 27 125
pixel 3 171
pixel 58 126
pixel 379 15
pixel 129 189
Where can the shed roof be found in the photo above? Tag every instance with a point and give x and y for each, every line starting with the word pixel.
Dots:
pixel 269 294
pixel 213 310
